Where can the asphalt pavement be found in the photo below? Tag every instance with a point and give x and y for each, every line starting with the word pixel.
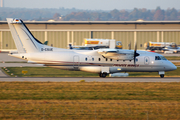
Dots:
pixel 89 79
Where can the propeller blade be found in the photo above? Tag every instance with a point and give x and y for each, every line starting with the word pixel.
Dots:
pixel 135 53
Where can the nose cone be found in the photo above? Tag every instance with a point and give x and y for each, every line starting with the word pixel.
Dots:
pixel 174 67
pixel 171 66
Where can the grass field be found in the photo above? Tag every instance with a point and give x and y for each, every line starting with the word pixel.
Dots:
pixel 176 63
pixel 45 72
pixel 172 57
pixel 92 100
pixel 87 100
pixel 52 72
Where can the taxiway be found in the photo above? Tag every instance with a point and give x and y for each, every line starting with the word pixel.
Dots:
pixel 89 79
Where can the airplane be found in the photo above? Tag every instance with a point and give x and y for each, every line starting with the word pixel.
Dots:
pixel 100 61
pixel 173 49
pixel 93 44
pixel 86 47
pixel 45 43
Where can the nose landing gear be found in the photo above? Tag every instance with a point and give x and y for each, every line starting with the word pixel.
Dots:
pixel 161 73
pixel 162 76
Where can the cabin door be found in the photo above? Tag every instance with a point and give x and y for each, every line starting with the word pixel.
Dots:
pixel 76 62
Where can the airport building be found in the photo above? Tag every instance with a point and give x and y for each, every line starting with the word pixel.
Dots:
pixel 61 33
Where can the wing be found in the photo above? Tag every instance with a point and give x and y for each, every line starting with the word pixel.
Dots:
pixel 117 54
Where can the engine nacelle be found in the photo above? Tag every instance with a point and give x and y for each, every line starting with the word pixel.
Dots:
pixel 120 56
pixel 117 54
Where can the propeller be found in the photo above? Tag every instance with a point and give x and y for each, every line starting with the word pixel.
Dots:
pixel 135 53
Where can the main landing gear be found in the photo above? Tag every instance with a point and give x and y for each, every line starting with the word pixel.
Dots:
pixel 102 75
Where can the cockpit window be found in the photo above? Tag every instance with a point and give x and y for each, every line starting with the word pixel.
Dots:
pixel 160 58
pixel 163 58
pixel 157 58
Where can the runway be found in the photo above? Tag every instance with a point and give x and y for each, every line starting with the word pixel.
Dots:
pixel 65 79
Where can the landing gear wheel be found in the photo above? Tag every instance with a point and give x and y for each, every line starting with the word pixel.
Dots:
pixel 162 76
pixel 100 74
pixel 104 75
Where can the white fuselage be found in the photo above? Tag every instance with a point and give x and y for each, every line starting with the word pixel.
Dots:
pixel 91 61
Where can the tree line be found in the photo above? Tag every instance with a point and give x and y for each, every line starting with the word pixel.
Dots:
pixel 73 14
pixel 123 15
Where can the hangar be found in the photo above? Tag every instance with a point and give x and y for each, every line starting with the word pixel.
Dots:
pixel 61 33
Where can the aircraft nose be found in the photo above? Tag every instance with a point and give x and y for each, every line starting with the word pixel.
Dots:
pixel 172 67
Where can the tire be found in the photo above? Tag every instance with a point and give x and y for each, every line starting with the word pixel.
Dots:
pixel 104 75
pixel 100 74
pixel 162 75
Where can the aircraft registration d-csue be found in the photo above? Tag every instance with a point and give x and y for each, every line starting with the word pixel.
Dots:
pixel 100 61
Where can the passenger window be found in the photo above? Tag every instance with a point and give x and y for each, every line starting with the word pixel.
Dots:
pixel 110 59
pixel 106 59
pixel 86 59
pixel 99 59
pixel 92 59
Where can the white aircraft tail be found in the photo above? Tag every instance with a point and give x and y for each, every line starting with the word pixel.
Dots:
pixel 24 40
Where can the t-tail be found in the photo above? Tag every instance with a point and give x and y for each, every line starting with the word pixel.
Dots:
pixel 23 38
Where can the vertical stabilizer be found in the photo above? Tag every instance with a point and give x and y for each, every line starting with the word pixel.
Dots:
pixel 24 40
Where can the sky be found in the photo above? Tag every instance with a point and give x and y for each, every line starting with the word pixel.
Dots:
pixel 94 4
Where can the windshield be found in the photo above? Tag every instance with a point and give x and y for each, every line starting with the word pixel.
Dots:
pixel 160 58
